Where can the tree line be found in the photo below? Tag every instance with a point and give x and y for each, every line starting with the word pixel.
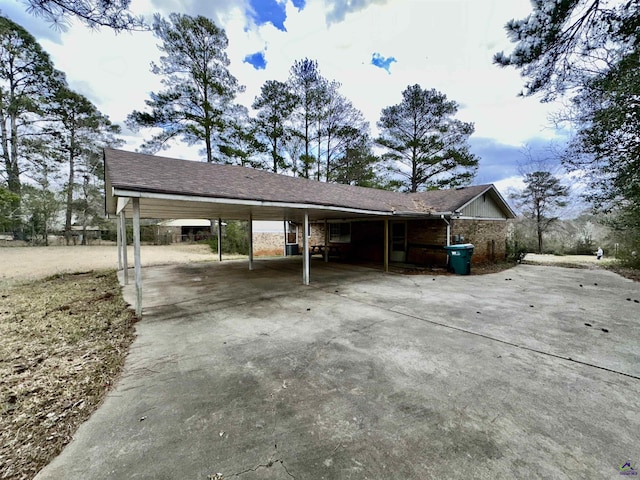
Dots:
pixel 587 52
pixel 50 141
pixel 303 126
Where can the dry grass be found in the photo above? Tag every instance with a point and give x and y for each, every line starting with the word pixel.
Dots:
pixel 64 340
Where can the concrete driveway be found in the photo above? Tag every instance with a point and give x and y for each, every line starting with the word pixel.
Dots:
pixel 365 375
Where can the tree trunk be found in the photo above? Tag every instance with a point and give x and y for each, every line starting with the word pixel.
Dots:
pixel 70 184
pixel 13 177
pixel 85 208
pixel 539 240
pixel 274 154
pixel 539 229
pixel 207 142
pixel 328 163
pixel 207 123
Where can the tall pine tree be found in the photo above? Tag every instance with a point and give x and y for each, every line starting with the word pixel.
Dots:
pixel 426 146
pixel 28 80
pixel 199 91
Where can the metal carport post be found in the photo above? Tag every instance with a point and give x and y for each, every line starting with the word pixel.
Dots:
pixel 136 255
pixel 305 249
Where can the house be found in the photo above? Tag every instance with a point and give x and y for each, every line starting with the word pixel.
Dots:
pixel 268 236
pixel 183 230
pixel 364 223
pixel 474 215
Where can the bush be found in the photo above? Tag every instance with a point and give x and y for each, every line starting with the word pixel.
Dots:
pixel 235 238
pixel 630 257
pixel 515 251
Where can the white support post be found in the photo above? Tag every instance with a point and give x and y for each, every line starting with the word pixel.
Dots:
pixel 326 241
pixel 305 250
pixel 219 239
pixel 125 261
pixel 386 245
pixel 136 255
pixel 284 248
pixel 119 242
pixel 250 242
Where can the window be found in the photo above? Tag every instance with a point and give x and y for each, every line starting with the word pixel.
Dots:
pixel 340 232
pixel 292 233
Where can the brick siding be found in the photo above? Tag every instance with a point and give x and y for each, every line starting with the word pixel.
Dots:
pixel 268 244
pixel 489 238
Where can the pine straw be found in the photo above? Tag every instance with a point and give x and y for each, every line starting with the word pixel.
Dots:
pixel 64 340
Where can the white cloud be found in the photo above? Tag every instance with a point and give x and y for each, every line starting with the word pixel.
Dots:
pixel 443 45
pixel 447 45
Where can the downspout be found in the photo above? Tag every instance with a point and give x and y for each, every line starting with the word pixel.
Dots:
pixel 448 229
pixel 448 235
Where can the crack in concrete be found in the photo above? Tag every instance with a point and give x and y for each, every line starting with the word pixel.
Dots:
pixel 269 464
pixel 471 332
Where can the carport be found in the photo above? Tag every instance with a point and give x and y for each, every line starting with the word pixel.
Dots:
pixel 141 186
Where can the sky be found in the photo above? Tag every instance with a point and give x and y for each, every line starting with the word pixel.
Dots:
pixel 374 48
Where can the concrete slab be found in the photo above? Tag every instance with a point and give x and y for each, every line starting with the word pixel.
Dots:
pixel 369 375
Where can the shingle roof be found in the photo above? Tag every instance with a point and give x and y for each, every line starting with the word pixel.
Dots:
pixel 139 172
pixel 150 173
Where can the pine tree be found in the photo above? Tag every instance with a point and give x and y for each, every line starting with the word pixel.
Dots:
pixel 357 165
pixel 343 126
pixel 199 87
pixel 275 105
pixel 93 13
pixel 542 195
pixel 310 89
pixel 27 82
pixel 426 146
pixel 563 44
pixel 76 131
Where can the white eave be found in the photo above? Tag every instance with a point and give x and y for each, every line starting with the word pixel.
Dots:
pixel 165 205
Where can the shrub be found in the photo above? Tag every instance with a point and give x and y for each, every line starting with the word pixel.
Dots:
pixel 235 238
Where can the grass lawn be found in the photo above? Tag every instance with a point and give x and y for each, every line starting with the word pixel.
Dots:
pixel 64 341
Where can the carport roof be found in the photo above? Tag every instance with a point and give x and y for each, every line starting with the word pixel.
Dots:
pixel 172 188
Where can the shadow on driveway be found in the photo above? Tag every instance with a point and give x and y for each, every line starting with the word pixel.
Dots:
pixel 532 372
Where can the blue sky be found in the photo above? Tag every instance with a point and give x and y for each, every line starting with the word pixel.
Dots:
pixel 374 48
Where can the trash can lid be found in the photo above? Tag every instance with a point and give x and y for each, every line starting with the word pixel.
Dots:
pixel 462 246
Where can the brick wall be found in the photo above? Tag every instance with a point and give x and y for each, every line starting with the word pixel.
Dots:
pixel 489 238
pixel 425 239
pixel 317 234
pixel 265 244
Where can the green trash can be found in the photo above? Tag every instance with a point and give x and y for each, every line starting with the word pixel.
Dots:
pixel 460 258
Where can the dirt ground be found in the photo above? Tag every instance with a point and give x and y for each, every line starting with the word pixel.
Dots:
pixel 29 263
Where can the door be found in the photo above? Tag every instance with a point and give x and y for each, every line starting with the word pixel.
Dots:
pixel 398 242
